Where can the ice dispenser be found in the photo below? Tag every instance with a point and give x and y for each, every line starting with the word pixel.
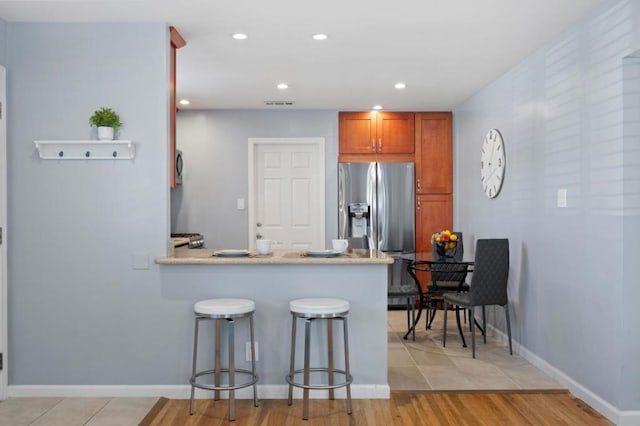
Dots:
pixel 358 220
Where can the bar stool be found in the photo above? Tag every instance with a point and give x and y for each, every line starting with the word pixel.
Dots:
pixel 312 310
pixel 229 310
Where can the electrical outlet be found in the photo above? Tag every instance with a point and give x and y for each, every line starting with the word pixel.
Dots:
pixel 248 351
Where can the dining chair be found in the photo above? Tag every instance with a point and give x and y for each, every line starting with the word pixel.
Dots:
pixel 488 286
pixel 410 293
pixel 446 277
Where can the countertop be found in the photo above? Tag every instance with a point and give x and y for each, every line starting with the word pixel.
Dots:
pixel 185 256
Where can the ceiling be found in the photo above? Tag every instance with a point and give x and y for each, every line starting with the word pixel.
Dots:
pixel 444 50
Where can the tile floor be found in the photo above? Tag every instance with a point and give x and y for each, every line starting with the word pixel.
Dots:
pixel 420 365
pixel 426 365
pixel 74 411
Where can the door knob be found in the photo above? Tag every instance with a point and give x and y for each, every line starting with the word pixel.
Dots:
pixel 258 236
pixel 259 224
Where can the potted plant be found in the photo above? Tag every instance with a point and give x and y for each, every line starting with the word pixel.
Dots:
pixel 107 121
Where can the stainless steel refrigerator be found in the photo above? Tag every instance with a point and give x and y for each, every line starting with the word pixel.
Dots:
pixel 376 211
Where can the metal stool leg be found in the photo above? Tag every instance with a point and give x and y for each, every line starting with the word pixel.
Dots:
pixel 253 362
pixel 346 363
pixel 292 357
pixel 330 355
pixel 216 359
pixel 193 369
pixel 232 371
pixel 307 356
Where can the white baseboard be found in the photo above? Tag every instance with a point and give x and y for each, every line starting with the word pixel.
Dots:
pixel 619 417
pixel 183 391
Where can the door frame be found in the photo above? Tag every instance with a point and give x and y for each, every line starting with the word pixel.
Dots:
pixel 254 143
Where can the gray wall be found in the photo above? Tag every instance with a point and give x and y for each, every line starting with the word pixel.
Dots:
pixel 573 290
pixel 214 145
pixel 630 291
pixel 3 42
pixel 78 312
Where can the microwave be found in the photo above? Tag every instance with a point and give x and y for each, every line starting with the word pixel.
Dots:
pixel 179 166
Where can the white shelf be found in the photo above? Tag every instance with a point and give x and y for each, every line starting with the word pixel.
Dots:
pixel 86 150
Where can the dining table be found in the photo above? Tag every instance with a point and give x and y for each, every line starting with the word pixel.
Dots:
pixel 428 262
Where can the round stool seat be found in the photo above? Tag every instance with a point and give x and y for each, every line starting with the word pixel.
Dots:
pixel 222 307
pixel 319 306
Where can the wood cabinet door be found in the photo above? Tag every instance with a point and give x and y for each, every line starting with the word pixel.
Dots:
pixel 395 133
pixel 433 213
pixel 434 153
pixel 357 133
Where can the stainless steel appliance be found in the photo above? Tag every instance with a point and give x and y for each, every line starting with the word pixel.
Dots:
pixel 376 211
pixel 179 166
pixel 195 240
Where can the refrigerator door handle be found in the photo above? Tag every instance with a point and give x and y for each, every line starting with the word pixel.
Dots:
pixel 382 215
pixel 343 214
pixel 372 199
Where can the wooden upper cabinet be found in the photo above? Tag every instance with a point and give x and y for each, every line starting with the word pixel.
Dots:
pixel 376 134
pixel 395 132
pixel 434 153
pixel 357 133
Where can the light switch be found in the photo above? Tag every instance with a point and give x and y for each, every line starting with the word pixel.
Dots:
pixel 562 197
pixel 240 203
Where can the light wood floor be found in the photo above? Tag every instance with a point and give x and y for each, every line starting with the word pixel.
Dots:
pixel 404 408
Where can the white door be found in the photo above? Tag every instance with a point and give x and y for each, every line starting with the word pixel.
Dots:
pixel 3 228
pixel 286 192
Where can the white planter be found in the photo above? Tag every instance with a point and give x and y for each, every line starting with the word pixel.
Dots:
pixel 105 133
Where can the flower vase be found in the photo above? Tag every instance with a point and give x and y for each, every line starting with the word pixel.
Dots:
pixel 105 133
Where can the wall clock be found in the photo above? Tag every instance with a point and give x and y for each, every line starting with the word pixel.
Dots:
pixel 493 163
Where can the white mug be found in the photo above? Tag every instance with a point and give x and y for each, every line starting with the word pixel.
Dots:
pixel 263 246
pixel 340 245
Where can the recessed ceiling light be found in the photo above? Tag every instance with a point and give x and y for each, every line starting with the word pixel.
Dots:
pixel 283 86
pixel 319 36
pixel 377 107
pixel 184 102
pixel 239 36
pixel 400 86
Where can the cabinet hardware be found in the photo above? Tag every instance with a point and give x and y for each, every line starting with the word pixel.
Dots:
pixel 418 184
pixel 380 144
pixel 373 145
pixel 419 203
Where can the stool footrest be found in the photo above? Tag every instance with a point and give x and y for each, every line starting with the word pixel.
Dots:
pixel 292 382
pixel 254 379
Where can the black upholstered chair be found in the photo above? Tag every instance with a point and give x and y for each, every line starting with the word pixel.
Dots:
pixel 410 293
pixel 446 277
pixel 488 286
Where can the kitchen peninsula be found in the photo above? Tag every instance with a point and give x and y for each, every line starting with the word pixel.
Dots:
pixel 359 276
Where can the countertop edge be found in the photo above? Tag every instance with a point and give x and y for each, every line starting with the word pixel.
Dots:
pixel 206 257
